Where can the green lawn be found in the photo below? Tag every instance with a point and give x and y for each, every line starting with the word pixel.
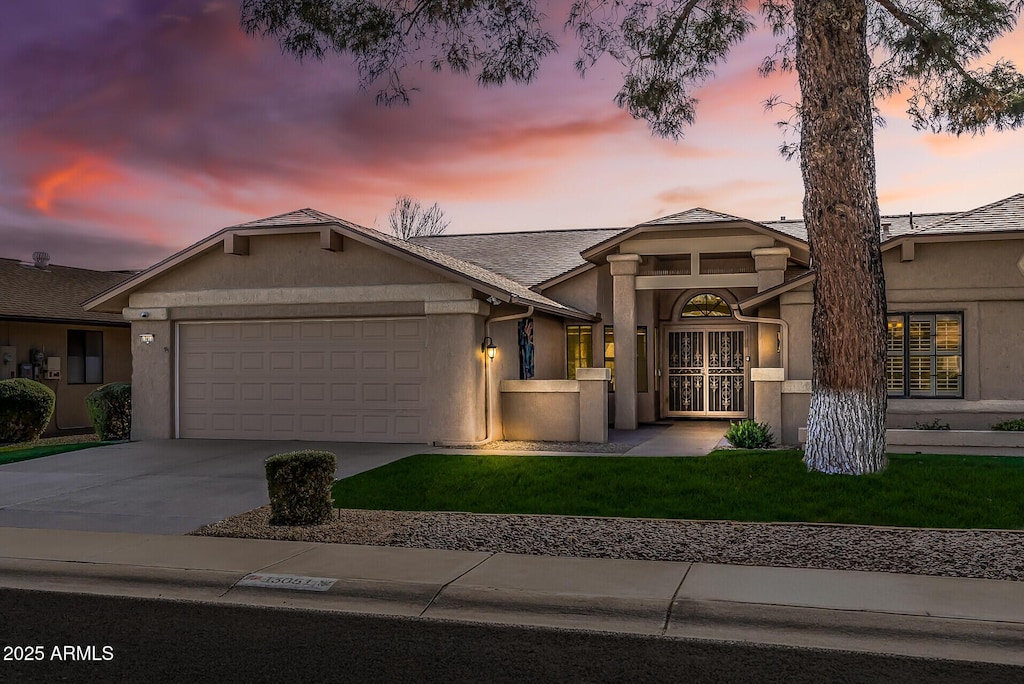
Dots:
pixel 20 452
pixel 916 491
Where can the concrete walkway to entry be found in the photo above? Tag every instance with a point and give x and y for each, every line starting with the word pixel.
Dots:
pixel 684 438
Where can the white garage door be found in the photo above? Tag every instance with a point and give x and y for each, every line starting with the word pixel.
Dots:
pixel 341 380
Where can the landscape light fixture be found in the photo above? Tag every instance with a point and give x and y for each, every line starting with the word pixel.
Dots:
pixel 488 348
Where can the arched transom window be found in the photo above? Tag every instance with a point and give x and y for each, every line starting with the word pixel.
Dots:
pixel 705 305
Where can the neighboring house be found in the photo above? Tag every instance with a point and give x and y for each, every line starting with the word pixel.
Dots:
pixel 305 326
pixel 46 335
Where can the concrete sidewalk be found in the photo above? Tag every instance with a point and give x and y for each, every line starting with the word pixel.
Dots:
pixel 935 617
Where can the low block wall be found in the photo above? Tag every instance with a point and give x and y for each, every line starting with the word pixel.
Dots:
pixel 557 410
pixel 977 442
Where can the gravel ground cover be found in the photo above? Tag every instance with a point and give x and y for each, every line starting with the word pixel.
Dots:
pixel 990 554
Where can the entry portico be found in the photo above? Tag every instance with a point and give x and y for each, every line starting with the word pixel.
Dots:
pixel 683 277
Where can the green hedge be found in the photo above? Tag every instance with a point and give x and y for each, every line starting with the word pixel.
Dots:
pixel 299 484
pixel 26 407
pixel 110 410
pixel 1015 425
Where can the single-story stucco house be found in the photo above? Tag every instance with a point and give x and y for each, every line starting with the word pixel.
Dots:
pixel 306 326
pixel 46 335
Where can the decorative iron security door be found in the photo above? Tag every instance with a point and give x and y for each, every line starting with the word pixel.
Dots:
pixel 706 373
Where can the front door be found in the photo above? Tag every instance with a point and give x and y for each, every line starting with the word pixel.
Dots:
pixel 705 372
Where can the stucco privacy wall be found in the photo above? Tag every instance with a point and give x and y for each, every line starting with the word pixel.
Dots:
pixel 558 410
pixel 290 277
pixel 52 338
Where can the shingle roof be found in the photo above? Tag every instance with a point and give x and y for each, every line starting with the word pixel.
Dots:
pixel 527 257
pixel 899 225
pixel 695 215
pixel 55 293
pixel 300 217
pixel 1004 215
pixel 485 276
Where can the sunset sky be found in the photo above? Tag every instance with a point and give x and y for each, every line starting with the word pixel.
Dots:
pixel 132 128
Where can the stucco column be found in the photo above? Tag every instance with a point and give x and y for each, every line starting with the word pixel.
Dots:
pixel 624 268
pixel 770 264
pixel 593 403
pixel 768 398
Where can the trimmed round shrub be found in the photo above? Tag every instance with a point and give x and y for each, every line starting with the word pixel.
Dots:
pixel 110 410
pixel 26 407
pixel 299 484
pixel 749 434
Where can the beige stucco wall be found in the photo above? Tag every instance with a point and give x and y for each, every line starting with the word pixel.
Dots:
pixel 548 416
pixel 505 365
pixel 69 411
pixel 549 348
pixel 292 261
pixel 979 279
pixel 579 291
pixel 153 398
pixel 455 366
pixel 945 269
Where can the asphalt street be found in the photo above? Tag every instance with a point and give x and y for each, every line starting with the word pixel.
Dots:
pixel 114 639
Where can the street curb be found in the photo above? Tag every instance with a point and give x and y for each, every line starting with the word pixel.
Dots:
pixel 849 630
pixel 115 579
pixel 380 597
pixel 605 613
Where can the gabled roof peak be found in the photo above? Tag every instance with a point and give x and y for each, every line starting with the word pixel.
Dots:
pixel 292 218
pixel 695 215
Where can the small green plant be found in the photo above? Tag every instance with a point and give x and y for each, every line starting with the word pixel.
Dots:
pixel 1016 425
pixel 749 434
pixel 299 484
pixel 110 410
pixel 26 407
pixel 935 424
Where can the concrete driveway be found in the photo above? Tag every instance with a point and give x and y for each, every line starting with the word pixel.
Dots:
pixel 159 486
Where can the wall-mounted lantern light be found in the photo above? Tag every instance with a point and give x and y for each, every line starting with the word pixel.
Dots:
pixel 488 348
pixel 146 338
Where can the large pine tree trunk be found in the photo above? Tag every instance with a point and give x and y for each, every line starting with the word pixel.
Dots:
pixel 846 425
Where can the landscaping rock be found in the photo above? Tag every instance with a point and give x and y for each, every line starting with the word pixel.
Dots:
pixel 952 553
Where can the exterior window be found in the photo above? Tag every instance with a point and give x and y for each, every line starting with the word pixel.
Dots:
pixel 705 305
pixel 641 357
pixel 578 349
pixel 85 357
pixel 526 368
pixel 924 355
pixel 609 354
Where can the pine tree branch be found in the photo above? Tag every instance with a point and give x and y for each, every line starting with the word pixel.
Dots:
pixel 684 16
pixel 939 48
